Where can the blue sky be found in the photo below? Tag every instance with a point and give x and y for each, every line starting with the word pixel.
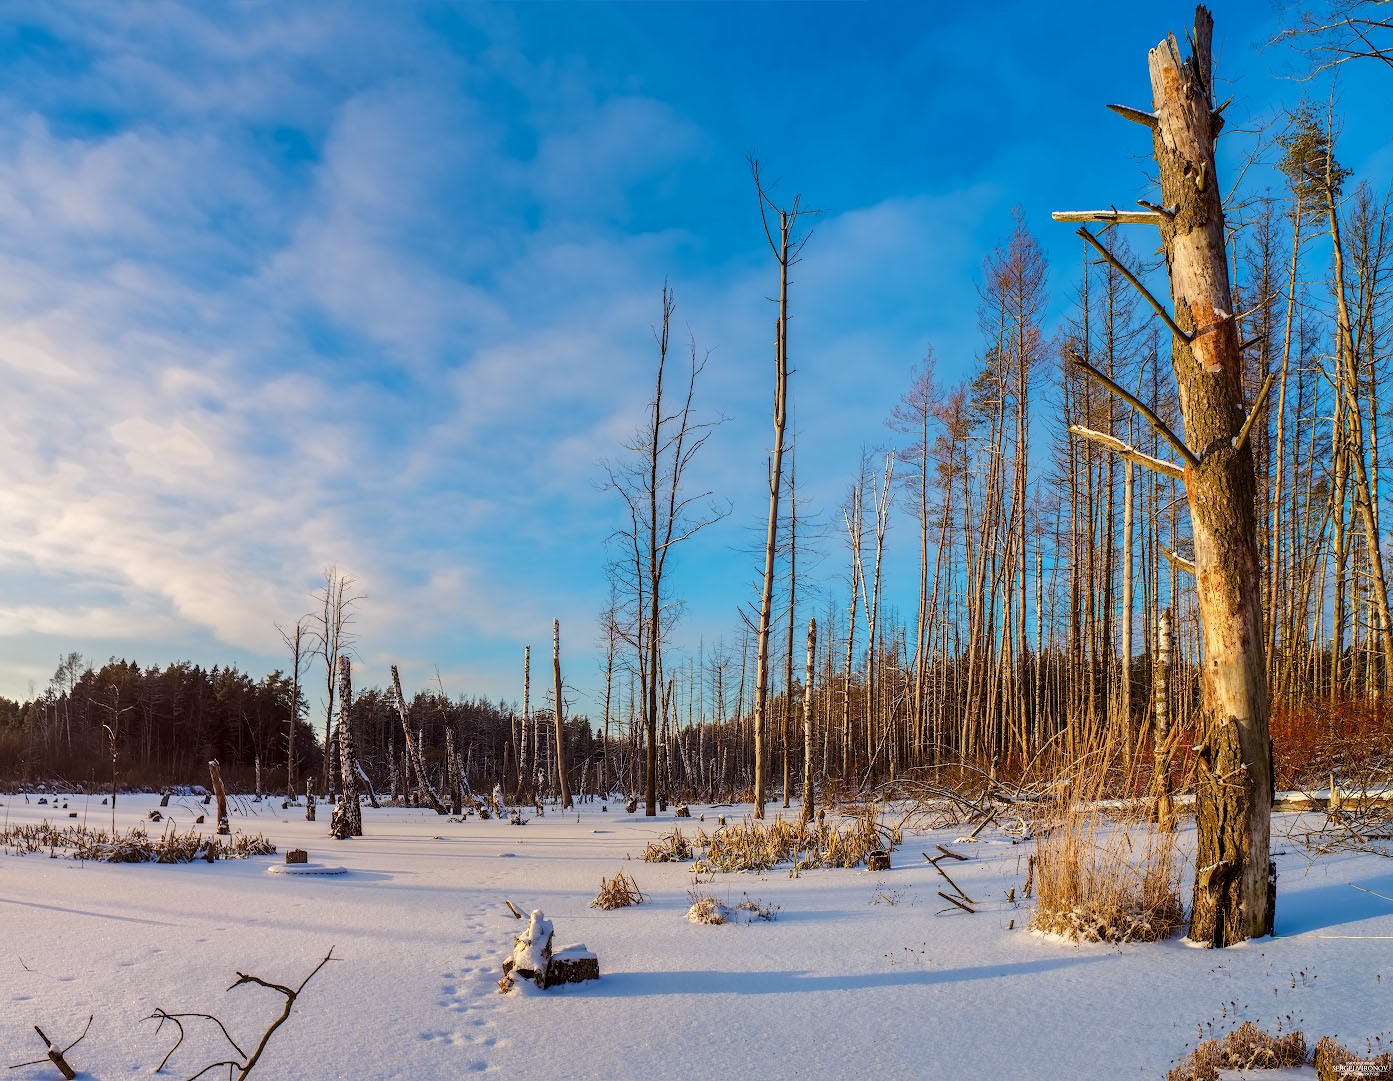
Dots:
pixel 291 285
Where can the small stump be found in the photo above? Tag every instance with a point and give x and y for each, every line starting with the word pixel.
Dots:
pixel 683 811
pixel 879 860
pixel 531 954
pixel 574 964
pixel 533 959
pixel 297 855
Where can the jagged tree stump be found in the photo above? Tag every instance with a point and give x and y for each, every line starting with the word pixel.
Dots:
pixel 531 953
pixel 534 959
pixel 223 827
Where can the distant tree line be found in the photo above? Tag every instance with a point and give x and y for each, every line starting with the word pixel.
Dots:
pixel 165 724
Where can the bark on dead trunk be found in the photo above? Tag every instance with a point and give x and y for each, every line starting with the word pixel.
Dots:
pixel 1235 883
pixel 220 794
pixel 348 755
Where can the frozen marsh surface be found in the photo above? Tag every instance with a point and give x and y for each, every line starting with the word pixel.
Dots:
pixel 860 975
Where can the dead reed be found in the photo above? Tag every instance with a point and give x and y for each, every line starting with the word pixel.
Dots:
pixel 132 846
pixel 621 891
pixel 669 848
pixel 1102 871
pixel 760 845
pixel 1245 1048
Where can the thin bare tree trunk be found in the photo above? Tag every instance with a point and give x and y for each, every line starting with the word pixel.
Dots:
pixel 562 781
pixel 413 750
pixel 786 252
pixel 806 814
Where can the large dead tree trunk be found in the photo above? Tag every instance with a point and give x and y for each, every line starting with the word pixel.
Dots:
pixel 1235 881
pixel 348 753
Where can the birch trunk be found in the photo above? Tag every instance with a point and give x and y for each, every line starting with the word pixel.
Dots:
pixel 348 754
pixel 413 751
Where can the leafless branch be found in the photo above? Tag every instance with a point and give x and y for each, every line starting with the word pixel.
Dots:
pixel 1136 284
pixel 1162 429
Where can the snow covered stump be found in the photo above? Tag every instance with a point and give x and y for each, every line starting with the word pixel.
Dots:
pixel 533 958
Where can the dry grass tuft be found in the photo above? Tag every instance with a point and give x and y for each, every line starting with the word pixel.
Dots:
pixel 621 891
pixel 755 909
pixel 1104 875
pixel 1246 1048
pixel 755 845
pixel 132 846
pixel 1335 1062
pixel 669 848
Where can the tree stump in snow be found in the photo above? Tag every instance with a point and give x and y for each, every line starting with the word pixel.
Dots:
pixel 223 828
pixel 533 958
pixel 878 860
pixel 297 855
pixel 574 964
pixel 531 953
pixel 340 825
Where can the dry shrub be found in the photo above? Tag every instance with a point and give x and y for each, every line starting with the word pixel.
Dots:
pixel 755 845
pixel 1104 873
pixel 1310 741
pixel 757 909
pixel 620 891
pixel 669 848
pixel 1245 1048
pixel 1335 1062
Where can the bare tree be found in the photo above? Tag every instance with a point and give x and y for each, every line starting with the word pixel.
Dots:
pixel 562 781
pixel 414 756
pixel 1339 31
pixel 1235 880
pixel 661 515
pixel 786 248
pixel 333 639
pixel 297 641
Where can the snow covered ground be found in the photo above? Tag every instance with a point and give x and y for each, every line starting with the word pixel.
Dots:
pixel 861 975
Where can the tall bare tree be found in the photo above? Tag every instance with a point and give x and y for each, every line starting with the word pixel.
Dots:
pixel 297 641
pixel 787 247
pixel 415 756
pixel 333 620
pixel 661 515
pixel 1235 879
pixel 563 783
